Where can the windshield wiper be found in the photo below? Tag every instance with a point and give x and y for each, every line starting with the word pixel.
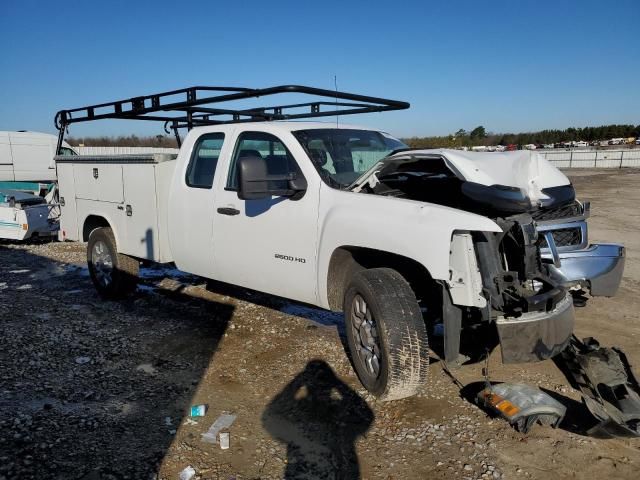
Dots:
pixel 420 175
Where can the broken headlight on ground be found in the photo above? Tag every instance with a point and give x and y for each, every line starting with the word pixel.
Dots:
pixel 521 405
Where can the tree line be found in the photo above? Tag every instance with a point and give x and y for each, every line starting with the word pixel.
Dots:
pixel 479 136
pixel 461 138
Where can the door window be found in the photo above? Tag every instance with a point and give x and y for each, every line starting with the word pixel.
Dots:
pixel 264 145
pixel 204 159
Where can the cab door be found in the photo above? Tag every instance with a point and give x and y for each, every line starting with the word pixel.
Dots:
pixel 268 245
pixel 191 201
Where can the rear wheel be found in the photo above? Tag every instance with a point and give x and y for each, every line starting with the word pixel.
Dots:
pixel 386 334
pixel 113 274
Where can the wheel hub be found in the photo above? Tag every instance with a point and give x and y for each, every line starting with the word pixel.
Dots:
pixel 363 325
pixel 102 263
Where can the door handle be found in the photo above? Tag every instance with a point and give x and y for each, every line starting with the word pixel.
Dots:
pixel 229 211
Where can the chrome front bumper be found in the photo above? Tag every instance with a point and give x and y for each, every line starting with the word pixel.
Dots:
pixel 536 336
pixel 598 267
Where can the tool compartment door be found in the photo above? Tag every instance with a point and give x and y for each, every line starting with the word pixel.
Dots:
pixel 140 211
pixel 67 196
pixel 99 181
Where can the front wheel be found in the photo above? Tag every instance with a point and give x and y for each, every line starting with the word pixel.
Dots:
pixel 113 274
pixel 386 334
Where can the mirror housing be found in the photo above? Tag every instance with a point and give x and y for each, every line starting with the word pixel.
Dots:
pixel 254 183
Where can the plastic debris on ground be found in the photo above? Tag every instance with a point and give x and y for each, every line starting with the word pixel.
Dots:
pixel 188 473
pixel 224 440
pixel 521 405
pixel 223 422
pixel 609 388
pixel 198 410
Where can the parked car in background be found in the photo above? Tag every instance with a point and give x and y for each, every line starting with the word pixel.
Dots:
pixel 616 141
pixel 500 148
pixel 548 145
pixel 580 144
pixel 530 146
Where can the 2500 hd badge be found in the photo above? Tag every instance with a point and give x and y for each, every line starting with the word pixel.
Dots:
pixel 290 258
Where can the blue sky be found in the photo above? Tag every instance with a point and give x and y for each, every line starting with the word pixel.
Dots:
pixel 508 65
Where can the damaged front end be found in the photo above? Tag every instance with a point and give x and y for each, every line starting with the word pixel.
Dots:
pixel 519 278
pixel 533 313
pixel 502 185
pixel 508 281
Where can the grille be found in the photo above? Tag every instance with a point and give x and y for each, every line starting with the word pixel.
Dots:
pixel 564 237
pixel 571 210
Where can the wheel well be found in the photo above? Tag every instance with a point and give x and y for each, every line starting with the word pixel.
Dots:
pixel 347 260
pixel 91 223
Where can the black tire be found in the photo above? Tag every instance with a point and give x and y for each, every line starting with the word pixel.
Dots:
pixel 399 333
pixel 118 280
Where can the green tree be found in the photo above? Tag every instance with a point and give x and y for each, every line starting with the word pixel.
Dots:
pixel 478 132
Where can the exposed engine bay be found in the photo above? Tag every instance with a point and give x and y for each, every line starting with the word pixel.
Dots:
pixel 515 278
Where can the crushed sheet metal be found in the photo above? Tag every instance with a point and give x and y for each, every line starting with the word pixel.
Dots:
pixel 521 405
pixel 609 388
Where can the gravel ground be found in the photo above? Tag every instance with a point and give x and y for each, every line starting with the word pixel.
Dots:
pixel 101 390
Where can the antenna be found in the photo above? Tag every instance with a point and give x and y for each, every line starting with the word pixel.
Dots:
pixel 335 86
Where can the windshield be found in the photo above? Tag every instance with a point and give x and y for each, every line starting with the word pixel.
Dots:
pixel 342 155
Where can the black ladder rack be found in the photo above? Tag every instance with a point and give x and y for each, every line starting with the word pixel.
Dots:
pixel 192 107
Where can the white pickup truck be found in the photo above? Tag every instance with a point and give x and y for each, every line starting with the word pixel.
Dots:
pixel 349 219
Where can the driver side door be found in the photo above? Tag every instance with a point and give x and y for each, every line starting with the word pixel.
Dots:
pixel 270 244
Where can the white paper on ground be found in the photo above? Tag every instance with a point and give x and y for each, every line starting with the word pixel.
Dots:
pixel 223 421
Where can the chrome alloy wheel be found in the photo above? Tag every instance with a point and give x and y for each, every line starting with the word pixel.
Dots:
pixel 102 263
pixel 365 333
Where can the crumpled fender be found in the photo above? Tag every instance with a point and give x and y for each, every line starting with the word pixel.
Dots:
pixel 417 230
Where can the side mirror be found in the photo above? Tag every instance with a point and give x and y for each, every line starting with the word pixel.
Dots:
pixel 255 183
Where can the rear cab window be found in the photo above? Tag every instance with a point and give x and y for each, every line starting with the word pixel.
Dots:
pixel 204 160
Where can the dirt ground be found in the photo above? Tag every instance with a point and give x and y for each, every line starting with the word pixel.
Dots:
pixel 101 390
